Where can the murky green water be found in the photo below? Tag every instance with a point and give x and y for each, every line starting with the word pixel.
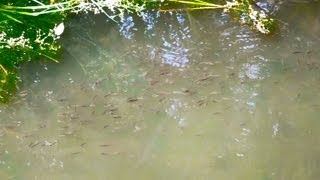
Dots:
pixel 171 96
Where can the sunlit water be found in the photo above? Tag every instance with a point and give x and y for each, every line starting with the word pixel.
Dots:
pixel 171 96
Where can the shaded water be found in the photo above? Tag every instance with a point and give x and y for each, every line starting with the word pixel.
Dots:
pixel 171 96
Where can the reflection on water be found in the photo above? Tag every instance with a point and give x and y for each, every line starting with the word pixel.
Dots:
pixel 170 96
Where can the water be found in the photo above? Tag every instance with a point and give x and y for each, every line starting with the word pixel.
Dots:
pixel 171 96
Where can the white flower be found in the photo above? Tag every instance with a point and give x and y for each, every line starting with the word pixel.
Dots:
pixel 58 30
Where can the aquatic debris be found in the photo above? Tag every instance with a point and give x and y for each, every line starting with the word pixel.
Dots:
pixel 47 143
pixel 239 154
pixel 23 93
pixel 74 116
pixel 136 128
pixel 275 128
pixel 208 63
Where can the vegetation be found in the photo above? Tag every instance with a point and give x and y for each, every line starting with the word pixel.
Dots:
pixel 24 36
pixel 245 11
pixel 29 29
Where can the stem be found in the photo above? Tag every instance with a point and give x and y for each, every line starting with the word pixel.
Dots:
pixel 201 3
pixel 45 11
pixel 4 70
pixel 191 9
pixel 39 7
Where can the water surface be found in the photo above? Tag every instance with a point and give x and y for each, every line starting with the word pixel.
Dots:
pixel 171 96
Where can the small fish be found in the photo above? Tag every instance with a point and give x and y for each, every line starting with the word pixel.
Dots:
pixel 164 73
pixel 84 105
pixel 201 102
pixel 116 116
pixel 113 109
pixel 94 97
pixel 105 126
pixel 207 78
pixel 104 112
pixel 100 81
pixel 107 95
pixel 104 145
pixel 162 99
pixel 296 52
pixel 153 82
pixel 32 145
pixel 132 99
pixel 62 99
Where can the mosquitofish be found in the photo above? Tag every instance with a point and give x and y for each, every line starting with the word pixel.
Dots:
pixel 201 103
pixel 104 145
pixel 132 99
pixel 34 144
pixel 100 81
pixel 116 116
pixel 104 112
pixel 105 126
pixel 107 95
pixel 207 78
pixel 296 52
pixel 62 99
pixel 113 109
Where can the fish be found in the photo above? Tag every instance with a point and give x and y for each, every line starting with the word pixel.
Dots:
pixel 132 99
